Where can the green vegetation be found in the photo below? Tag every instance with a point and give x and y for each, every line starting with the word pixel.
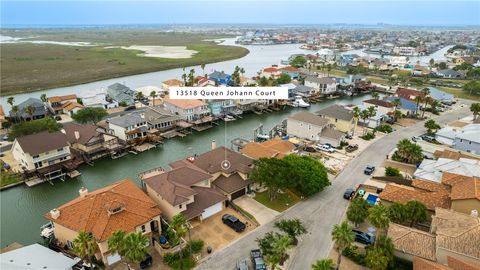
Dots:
pixel 357 70
pixel 408 152
pixel 385 128
pixel 184 259
pixel 369 136
pixel 358 211
pixel 391 171
pixel 90 115
pixel 283 78
pixel 292 227
pixel 343 236
pixel 377 216
pixel 411 213
pixel 475 109
pixel 380 256
pixel 325 264
pixel 131 247
pixel 282 201
pixel 8 178
pixel 274 247
pixel 431 126
pixel 28 67
pixel 85 246
pixel 34 126
pixel 298 61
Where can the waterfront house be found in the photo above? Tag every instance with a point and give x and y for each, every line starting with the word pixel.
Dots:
pixel 419 70
pixel 171 83
pixel 121 94
pixel 452 234
pixel 120 206
pixel 159 119
pixel 441 96
pixel 382 106
pixel 56 104
pixel 99 100
pixel 39 110
pixel 33 257
pixel 322 86
pixel 220 107
pixel 130 128
pixel 408 93
pixel 448 73
pixel 184 189
pixel 339 116
pixel 71 108
pixel 272 148
pixel 187 109
pixel 301 90
pixel 44 154
pixel 306 125
pixel 220 78
pixel 406 107
pixel 293 72
pixel 270 72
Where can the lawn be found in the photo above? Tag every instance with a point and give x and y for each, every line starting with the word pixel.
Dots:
pixel 8 178
pixel 459 93
pixel 30 67
pixel 281 203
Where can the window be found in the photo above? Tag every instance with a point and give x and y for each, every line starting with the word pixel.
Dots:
pixel 142 228
pixel 180 206
pixel 60 149
pixel 38 164
pixel 36 156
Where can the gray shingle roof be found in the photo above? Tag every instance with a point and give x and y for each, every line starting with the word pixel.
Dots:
pixel 310 118
pixel 336 111
pixel 42 142
pixel 323 80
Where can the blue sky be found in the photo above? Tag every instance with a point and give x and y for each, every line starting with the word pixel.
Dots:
pixel 255 12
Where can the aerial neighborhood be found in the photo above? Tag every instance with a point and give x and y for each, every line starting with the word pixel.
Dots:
pixel 373 162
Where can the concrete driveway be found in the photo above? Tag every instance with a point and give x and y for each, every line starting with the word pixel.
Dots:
pixel 322 211
pixel 261 213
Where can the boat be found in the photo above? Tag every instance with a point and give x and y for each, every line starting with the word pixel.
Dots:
pixel 263 136
pixel 46 231
pixel 299 102
pixel 228 118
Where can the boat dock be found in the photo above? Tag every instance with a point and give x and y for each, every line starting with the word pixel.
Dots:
pixel 143 147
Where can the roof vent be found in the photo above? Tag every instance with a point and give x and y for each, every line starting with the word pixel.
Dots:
pixel 116 207
pixel 83 192
pixel 474 213
pixel 55 213
pixel 77 134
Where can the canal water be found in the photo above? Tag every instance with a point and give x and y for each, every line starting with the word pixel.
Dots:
pixel 22 208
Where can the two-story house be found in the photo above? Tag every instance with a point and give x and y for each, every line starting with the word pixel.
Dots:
pixel 220 78
pixel 159 119
pixel 56 104
pixel 121 94
pixel 38 111
pixel 341 117
pixel 98 100
pixel 306 125
pixel 120 206
pixel 221 106
pixel 171 83
pixel 44 153
pixel 129 128
pixel 188 109
pixel 382 106
pixel 323 86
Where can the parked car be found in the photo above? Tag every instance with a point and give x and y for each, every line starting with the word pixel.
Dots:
pixel 309 149
pixel 428 138
pixel 349 136
pixel 147 262
pixel 257 260
pixel 416 138
pixel 233 222
pixel 351 148
pixel 242 265
pixel 325 147
pixel 348 193
pixel 364 238
pixel 369 170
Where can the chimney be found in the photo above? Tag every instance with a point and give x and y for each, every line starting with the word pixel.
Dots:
pixel 77 135
pixel 142 115
pixel 214 144
pixel 83 192
pixel 55 213
pixel 474 213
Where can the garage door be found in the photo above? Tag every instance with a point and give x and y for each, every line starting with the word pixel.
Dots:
pixel 113 259
pixel 237 194
pixel 212 210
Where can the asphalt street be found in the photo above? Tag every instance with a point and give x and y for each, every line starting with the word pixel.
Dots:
pixel 325 209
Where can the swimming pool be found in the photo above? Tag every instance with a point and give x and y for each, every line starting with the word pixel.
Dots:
pixel 372 199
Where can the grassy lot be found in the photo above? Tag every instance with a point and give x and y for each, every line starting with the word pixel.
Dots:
pixel 459 93
pixel 281 203
pixel 8 178
pixel 29 67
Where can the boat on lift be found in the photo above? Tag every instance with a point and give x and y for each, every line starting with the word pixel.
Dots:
pixel 299 102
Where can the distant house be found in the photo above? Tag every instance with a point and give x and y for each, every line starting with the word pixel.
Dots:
pixel 35 256
pixel 221 78
pixel 323 86
pixel 129 128
pixel 270 72
pixel 56 104
pixel 407 106
pixel 373 121
pixel 44 153
pixel 120 206
pixel 293 72
pixel 382 106
pixel 468 139
pixel 448 73
pixel 171 83
pixel 441 96
pixel 221 106
pixel 408 93
pixel 99 100
pixel 39 110
pixel 312 127
pixel 272 148
pixel 302 90
pixel 433 170
pixel 339 116
pixel 187 109
pixel 420 71
pixel 121 94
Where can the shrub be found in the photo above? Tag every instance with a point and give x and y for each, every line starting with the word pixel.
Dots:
pixel 368 136
pixel 384 128
pixel 391 171
pixel 353 253
pixel 342 144
pixel 197 246
pixel 170 258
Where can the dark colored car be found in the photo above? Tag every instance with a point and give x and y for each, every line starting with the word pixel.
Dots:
pixel 369 170
pixel 257 260
pixel 348 193
pixel 351 148
pixel 309 149
pixel 233 222
pixel 364 238
pixel 147 262
pixel 348 136
pixel 428 138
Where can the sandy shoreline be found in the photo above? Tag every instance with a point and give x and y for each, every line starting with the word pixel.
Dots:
pixel 175 52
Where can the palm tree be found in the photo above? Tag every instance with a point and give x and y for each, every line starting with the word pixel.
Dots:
pixel 11 100
pixel 292 227
pixel 343 237
pixel 358 211
pixel 139 96
pixel 378 217
pixel 203 70
pixel 325 264
pixel 425 92
pixel 364 114
pixel 475 109
pixel 153 95
pixel 136 247
pixel 116 244
pixel 184 77
pixel 372 111
pixel 15 112
pixel 85 246
pixel 273 260
pixel 180 225
pixel 43 97
pixel 396 213
pixel 356 115
pixel 375 95
pixel 30 110
pixel 418 99
pixel 415 212
pixel 280 246
pixel 376 259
